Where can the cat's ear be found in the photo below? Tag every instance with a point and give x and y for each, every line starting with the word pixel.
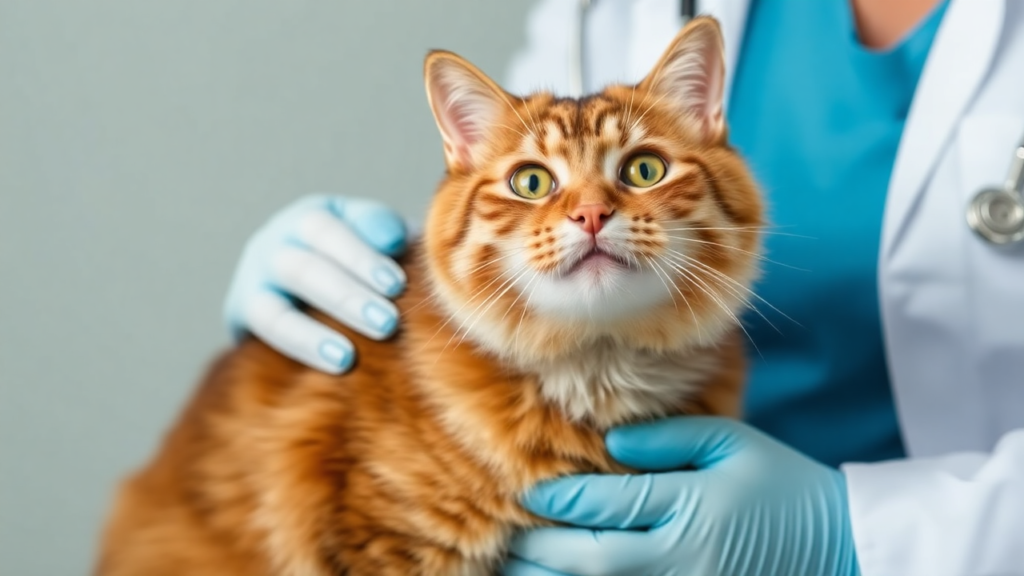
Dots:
pixel 691 76
pixel 466 104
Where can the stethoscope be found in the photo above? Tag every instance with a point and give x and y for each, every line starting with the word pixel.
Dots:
pixel 995 214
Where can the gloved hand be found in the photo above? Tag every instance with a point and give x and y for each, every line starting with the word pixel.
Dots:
pixel 331 253
pixel 752 507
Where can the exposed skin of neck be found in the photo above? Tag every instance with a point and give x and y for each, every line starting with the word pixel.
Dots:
pixel 883 23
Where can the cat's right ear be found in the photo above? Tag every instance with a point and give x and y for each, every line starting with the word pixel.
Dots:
pixel 465 103
pixel 691 75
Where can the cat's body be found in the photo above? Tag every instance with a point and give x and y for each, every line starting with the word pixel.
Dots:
pixel 526 335
pixel 405 466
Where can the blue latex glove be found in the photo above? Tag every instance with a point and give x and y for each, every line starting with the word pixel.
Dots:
pixel 332 253
pixel 752 507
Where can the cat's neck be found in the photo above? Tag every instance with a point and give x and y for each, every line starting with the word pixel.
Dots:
pixel 601 383
pixel 611 383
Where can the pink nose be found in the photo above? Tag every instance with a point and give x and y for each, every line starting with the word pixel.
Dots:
pixel 591 217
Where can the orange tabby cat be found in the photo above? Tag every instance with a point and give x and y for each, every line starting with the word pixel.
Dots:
pixel 583 265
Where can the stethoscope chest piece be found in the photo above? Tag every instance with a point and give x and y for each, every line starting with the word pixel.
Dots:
pixel 997 214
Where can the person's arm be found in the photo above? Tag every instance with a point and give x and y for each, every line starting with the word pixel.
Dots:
pixel 956 515
pixel 332 253
pixel 753 506
pixel 546 59
pixel 542 62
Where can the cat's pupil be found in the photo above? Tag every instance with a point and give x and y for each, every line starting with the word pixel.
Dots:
pixel 645 171
pixel 534 183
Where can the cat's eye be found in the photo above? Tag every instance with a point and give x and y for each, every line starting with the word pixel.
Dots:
pixel 532 182
pixel 643 170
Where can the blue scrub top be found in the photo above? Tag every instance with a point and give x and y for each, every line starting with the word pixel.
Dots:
pixel 819 118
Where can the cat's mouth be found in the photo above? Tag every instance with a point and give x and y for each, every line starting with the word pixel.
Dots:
pixel 597 260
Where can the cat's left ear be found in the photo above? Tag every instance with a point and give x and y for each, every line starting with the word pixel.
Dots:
pixel 691 76
pixel 466 104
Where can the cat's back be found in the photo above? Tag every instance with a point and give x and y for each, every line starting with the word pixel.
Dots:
pixel 161 509
pixel 258 421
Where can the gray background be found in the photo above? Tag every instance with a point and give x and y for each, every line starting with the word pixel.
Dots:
pixel 140 143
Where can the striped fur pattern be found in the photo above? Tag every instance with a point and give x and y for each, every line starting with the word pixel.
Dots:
pixel 528 330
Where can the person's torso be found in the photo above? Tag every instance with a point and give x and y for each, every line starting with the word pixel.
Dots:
pixel 819 117
pixel 950 301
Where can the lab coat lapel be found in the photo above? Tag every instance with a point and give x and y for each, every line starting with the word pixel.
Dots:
pixel 653 24
pixel 957 63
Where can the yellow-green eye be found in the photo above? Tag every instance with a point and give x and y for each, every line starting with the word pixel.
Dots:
pixel 532 182
pixel 643 171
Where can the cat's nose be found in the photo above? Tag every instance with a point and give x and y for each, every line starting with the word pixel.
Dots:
pixel 591 217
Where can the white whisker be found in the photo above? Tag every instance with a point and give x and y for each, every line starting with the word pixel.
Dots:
pixel 736 248
pixel 516 112
pixel 713 294
pixel 488 263
pixel 740 286
pixel 526 306
pixel 468 301
pixel 513 304
pixel 727 283
pixel 629 110
pixel 740 229
pixel 529 111
pixel 700 338
pixel 649 108
pixel 493 300
pixel 512 128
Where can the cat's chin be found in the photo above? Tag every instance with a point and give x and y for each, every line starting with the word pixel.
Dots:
pixel 598 289
pixel 596 265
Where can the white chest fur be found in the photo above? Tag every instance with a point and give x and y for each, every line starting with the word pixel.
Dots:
pixel 609 383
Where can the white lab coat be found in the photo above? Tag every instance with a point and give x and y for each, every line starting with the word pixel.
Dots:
pixel 952 305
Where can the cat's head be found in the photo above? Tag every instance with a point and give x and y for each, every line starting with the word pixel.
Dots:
pixel 623 215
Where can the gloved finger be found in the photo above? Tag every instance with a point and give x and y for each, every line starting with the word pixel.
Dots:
pixel 608 501
pixel 672 443
pixel 585 552
pixel 517 567
pixel 247 280
pixel 319 282
pixel 274 320
pixel 324 233
pixel 378 225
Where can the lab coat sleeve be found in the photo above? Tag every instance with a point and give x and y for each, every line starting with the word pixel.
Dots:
pixel 955 515
pixel 542 63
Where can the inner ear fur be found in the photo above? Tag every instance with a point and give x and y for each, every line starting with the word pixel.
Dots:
pixel 465 103
pixel 690 75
